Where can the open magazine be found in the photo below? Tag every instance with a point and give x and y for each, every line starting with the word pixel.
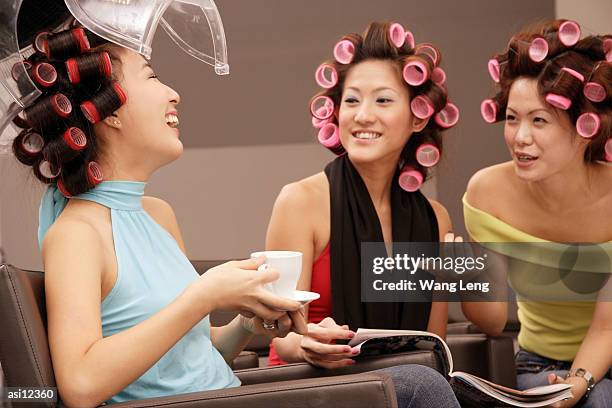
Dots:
pixel 469 389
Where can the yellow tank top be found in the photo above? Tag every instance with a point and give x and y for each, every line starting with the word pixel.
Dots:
pixel 553 329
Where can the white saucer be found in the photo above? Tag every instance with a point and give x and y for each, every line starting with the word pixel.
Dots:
pixel 304 297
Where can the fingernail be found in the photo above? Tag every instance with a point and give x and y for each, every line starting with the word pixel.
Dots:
pixel 347 349
pixel 351 335
pixel 355 351
pixel 351 362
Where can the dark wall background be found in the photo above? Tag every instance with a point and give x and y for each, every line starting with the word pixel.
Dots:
pixel 274 47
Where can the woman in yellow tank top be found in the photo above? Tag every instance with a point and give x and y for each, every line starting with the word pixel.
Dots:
pixel 554 96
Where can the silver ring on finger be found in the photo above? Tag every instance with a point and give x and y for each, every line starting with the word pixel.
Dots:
pixel 269 325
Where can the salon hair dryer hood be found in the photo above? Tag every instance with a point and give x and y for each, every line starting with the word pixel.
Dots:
pixel 194 25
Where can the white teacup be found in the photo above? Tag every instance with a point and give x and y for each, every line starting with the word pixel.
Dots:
pixel 289 265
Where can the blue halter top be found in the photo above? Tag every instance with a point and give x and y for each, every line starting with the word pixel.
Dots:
pixel 151 272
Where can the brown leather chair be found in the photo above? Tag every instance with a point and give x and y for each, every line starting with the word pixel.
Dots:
pixel 25 359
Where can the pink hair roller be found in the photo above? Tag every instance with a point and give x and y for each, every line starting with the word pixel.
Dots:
pixel 322 107
pixel 569 33
pixel 430 51
pixel 558 101
pixel 319 123
pixel 594 92
pixel 397 34
pixel 448 116
pixel 573 73
pixel 488 110
pixel 326 76
pixel 493 67
pixel 422 107
pixel 538 49
pixel 410 179
pixel 329 136
pixel 415 73
pixel 587 124
pixel 608 149
pixel 438 76
pixel 410 39
pixel 344 51
pixel 607 46
pixel 427 155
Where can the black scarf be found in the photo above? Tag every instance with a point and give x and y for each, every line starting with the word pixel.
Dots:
pixel 354 220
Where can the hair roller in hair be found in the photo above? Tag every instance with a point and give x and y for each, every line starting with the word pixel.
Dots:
pixel 322 107
pixel 429 51
pixel 494 71
pixel 344 51
pixel 397 34
pixel 66 43
pixel 104 103
pixel 573 73
pixel 75 138
pixel 594 92
pixel 558 101
pixel 94 174
pixel 608 150
pixel 409 39
pixel 415 72
pixel 488 110
pixel 607 46
pixel 427 155
pixel 569 33
pixel 422 107
pixel 448 116
pixel 326 76
pixel 19 69
pixel 44 74
pixel 40 42
pixel 438 76
pixel 32 143
pixel 48 113
pixel 410 179
pixel 47 170
pixel 329 136
pixel 89 66
pixel 319 123
pixel 62 189
pixel 538 49
pixel 587 124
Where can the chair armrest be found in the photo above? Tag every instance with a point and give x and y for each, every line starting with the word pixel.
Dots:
pixel 491 358
pixel 365 390
pixel 304 370
pixel 246 359
pixel 470 328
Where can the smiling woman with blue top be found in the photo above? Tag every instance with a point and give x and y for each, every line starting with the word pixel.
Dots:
pixel 128 315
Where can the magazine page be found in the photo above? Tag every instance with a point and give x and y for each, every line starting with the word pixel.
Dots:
pixel 401 340
pixel 475 390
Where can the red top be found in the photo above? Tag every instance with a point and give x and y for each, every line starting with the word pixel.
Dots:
pixel 319 309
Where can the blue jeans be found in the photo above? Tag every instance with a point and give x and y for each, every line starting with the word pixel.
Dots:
pixel 418 386
pixel 532 371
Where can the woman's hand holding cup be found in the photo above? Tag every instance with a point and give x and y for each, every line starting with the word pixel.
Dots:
pixel 238 285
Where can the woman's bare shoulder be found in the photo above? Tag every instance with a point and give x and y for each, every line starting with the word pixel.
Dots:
pixel 304 193
pixel 489 184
